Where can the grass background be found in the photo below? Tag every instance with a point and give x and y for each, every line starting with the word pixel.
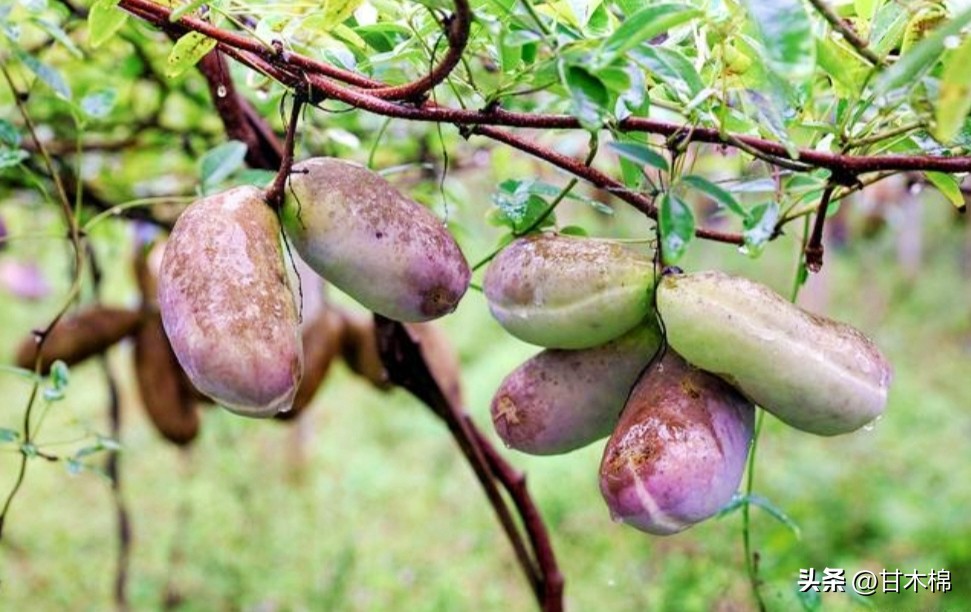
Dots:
pixel 381 512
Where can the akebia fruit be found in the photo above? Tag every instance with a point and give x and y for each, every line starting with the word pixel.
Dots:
pixel 561 400
pixel 384 250
pixel 677 455
pixel 167 396
pixel 226 304
pixel 815 374
pixel 568 292
pixel 79 336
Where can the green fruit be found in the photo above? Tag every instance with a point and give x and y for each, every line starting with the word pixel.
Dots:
pixel 387 252
pixel 560 400
pixel 226 305
pixel 566 292
pixel 818 375
pixel 679 450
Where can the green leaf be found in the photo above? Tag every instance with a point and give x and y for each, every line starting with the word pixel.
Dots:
pixel 887 29
pixel 948 185
pixel 640 154
pixel 184 9
pixel 676 222
pixel 644 25
pixel 98 104
pixel 221 161
pixel 87 451
pixel 59 35
pixel 589 96
pixel 954 97
pixel 188 50
pixel 60 374
pixel 740 500
pixel 842 65
pixel 921 57
pixel 866 9
pixel 520 205
pixel 759 227
pixel 671 67
pixel 104 19
pixel 9 134
pixel 787 33
pixel 12 157
pixel 718 194
pixel 8 435
pixel 51 77
pixel 574 230
pixel 255 177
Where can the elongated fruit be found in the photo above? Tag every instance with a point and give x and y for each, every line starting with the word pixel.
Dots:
pixel 562 400
pixel 79 336
pixel 815 374
pixel 567 292
pixel 167 396
pixel 227 307
pixel 386 251
pixel 679 450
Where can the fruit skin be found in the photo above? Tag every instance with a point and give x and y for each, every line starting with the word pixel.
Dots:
pixel 386 251
pixel 568 292
pixel 226 304
pixel 815 374
pixel 167 396
pixel 79 336
pixel 560 400
pixel 679 450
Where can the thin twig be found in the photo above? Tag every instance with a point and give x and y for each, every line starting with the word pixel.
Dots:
pixel 848 33
pixel 274 195
pixel 814 249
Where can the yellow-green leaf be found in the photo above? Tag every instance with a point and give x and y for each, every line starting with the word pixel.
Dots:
pixel 866 9
pixel 949 187
pixel 188 50
pixel 337 11
pixel 954 99
pixel 104 19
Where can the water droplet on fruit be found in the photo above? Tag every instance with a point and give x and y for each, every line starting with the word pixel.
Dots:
pixel 221 91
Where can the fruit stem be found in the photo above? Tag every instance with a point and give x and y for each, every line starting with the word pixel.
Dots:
pixel 274 195
pixel 751 559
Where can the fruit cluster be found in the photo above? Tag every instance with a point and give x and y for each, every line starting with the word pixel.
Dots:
pixel 677 406
pixel 679 410
pixel 224 293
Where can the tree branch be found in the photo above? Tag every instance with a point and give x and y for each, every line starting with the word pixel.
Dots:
pixel 295 71
pixel 847 32
pixel 407 368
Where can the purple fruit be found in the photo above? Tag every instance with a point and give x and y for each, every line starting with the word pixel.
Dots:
pixel 384 250
pixel 561 400
pixel 679 450
pixel 227 306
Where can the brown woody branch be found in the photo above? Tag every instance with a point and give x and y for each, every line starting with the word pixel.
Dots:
pixel 848 33
pixel 407 368
pixel 301 69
